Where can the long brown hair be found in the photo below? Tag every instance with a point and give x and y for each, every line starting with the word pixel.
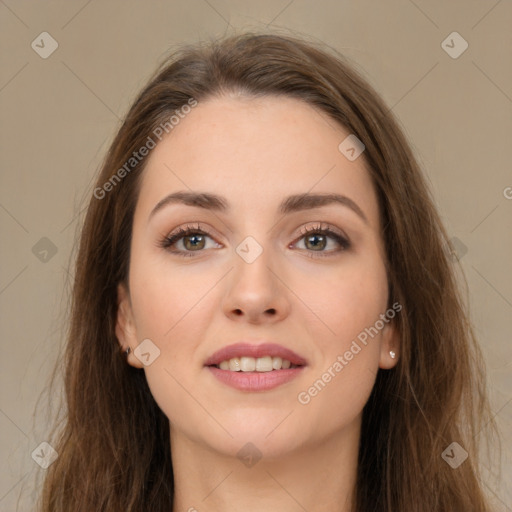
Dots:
pixel 113 440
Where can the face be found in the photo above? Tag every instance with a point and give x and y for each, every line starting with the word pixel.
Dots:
pixel 308 276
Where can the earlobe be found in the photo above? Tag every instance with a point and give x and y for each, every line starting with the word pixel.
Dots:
pixel 389 351
pixel 126 332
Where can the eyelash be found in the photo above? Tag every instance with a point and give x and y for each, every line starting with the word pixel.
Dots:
pixel 170 240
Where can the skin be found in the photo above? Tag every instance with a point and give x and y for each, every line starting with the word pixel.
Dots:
pixel 255 152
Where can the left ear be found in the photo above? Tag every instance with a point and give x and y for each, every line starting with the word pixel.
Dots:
pixel 390 343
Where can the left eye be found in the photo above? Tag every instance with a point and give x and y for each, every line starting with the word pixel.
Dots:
pixel 316 240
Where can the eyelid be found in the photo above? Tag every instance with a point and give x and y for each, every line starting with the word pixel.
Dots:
pixel 316 226
pixel 193 227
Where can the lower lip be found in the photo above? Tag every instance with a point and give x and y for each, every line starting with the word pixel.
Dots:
pixel 255 381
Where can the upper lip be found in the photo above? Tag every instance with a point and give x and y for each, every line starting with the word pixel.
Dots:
pixel 250 350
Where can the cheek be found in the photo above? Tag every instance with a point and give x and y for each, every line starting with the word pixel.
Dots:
pixel 165 297
pixel 351 304
pixel 336 399
pixel 346 299
pixel 348 302
pixel 172 309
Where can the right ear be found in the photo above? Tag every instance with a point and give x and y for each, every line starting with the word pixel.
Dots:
pixel 126 331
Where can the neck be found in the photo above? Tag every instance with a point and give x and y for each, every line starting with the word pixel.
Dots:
pixel 319 477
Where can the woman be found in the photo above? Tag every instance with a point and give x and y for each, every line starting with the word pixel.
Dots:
pixel 265 314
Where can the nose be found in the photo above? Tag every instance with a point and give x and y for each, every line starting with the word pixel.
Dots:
pixel 256 293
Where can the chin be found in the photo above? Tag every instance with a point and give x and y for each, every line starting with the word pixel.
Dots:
pixel 268 432
pixel 251 443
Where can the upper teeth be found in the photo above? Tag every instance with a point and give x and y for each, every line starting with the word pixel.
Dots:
pixel 258 364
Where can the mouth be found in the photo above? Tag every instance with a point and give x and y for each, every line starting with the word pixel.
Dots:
pixel 249 367
pixel 252 364
pixel 247 357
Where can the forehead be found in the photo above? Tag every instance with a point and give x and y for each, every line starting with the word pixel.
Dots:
pixel 254 152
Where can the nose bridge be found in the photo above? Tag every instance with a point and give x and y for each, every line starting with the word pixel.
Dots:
pixel 254 290
pixel 252 267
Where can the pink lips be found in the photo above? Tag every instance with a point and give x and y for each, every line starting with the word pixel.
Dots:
pixel 248 350
pixel 255 381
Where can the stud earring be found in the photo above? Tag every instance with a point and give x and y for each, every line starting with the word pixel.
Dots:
pixel 127 351
pixel 392 354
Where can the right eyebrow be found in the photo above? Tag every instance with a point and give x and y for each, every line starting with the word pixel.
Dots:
pixel 198 199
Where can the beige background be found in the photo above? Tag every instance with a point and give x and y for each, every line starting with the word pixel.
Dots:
pixel 60 113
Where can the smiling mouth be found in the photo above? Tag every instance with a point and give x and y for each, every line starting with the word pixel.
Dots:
pixel 255 364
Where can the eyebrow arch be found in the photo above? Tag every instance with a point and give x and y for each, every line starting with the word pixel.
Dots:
pixel 293 203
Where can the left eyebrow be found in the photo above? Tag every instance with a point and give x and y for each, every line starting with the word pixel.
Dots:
pixel 300 202
pixel 293 203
